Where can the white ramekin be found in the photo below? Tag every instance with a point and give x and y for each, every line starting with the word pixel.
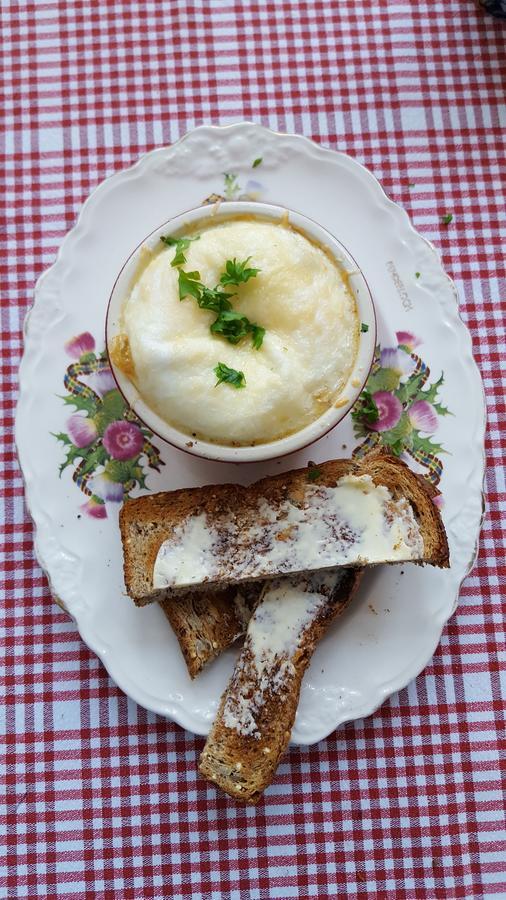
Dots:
pixel 331 417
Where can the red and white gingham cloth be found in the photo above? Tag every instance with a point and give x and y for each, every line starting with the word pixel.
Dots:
pixel 103 799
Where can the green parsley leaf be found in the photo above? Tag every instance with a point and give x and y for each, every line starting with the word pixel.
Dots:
pixel 364 328
pixel 230 324
pixel 257 162
pixel 181 245
pixel 313 474
pixel 179 257
pixel 447 219
pixel 234 327
pixel 229 376
pixel 417 274
pixel 237 272
pixel 189 285
pixel 215 299
pixel 257 336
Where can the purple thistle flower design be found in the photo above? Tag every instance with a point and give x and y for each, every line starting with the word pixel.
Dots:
pixel 94 508
pixel 82 430
pixel 252 190
pixel 103 440
pixel 102 382
pixel 80 344
pixel 408 339
pixel 123 440
pixel 106 489
pixel 423 416
pixel 408 408
pixel 389 409
pixel 398 360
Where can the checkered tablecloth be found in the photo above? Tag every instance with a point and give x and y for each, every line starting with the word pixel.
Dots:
pixel 103 799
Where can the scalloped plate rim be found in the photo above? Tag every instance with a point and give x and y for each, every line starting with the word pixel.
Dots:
pixel 384 690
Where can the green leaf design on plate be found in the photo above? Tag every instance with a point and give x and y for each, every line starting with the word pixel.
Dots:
pixel 139 476
pixel 410 390
pixel 426 445
pixel 61 436
pixel 122 471
pixel 73 453
pixel 431 395
pixel 87 358
pixel 113 404
pixel 111 410
pixel 401 434
pixel 88 404
pixel 383 380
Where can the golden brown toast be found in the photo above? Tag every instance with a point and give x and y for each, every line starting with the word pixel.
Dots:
pixel 234 516
pixel 256 714
pixel 208 622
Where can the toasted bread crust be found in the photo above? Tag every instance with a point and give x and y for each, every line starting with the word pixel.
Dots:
pixel 146 522
pixel 206 623
pixel 243 765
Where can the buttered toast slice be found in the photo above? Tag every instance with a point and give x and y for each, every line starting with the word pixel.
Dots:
pixel 339 513
pixel 207 622
pixel 257 711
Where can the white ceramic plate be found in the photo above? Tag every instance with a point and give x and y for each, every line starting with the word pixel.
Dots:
pixel 390 632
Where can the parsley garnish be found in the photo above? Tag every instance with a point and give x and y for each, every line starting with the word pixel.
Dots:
pixel 215 299
pixel 257 162
pixel 313 474
pixel 417 274
pixel 180 258
pixel 181 245
pixel 189 285
pixel 234 326
pixel 230 324
pixel 237 272
pixel 229 376
pixel 364 328
pixel 257 335
pixel 447 219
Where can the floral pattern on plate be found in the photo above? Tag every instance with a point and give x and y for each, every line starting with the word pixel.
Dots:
pixel 400 409
pixel 232 189
pixel 105 443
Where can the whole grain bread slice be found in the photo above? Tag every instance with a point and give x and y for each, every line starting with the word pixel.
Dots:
pixel 257 710
pixel 207 622
pixel 235 514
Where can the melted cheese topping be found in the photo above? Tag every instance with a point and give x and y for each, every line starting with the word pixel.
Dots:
pixel 354 522
pixel 302 299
